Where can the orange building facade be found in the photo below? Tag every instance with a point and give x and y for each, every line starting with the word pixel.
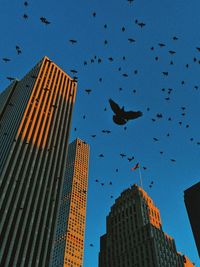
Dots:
pixel 35 118
pixel 69 242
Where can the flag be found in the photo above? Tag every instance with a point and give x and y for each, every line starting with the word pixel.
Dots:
pixel 135 167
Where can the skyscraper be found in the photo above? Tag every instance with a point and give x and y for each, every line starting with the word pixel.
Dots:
pixel 35 121
pixel 192 200
pixel 134 235
pixel 69 241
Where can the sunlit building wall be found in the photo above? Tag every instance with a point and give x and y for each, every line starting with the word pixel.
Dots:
pixel 134 235
pixel 69 242
pixel 35 118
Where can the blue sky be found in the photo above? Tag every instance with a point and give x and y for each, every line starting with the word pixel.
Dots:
pixel 164 20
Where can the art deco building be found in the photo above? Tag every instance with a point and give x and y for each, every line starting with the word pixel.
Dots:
pixel 35 117
pixel 69 241
pixel 192 202
pixel 134 235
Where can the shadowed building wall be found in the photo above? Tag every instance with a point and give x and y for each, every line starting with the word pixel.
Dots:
pixel 192 202
pixel 34 129
pixel 134 236
pixel 69 242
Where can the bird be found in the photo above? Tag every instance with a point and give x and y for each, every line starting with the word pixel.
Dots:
pixel 172 52
pixel 130 159
pixel 101 155
pixel 5 59
pixel 165 73
pixel 44 20
pixel 10 78
pixel 25 16
pixel 73 71
pixel 121 116
pixel 159 115
pixel 141 24
pixel 72 41
pixel 26 3
pixel 161 44
pixel 155 139
pixel 122 155
pixel 131 40
pixel 88 91
pixel 19 51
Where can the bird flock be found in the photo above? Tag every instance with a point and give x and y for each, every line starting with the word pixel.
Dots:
pixel 124 111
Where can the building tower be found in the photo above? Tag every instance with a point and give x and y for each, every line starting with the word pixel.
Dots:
pixel 134 236
pixel 69 241
pixel 35 118
pixel 192 200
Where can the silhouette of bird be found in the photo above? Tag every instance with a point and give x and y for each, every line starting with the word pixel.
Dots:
pixel 18 49
pixel 122 155
pixel 165 73
pixel 131 40
pixel 172 52
pixel 26 3
pixel 5 59
pixel 25 16
pixel 130 159
pixel 141 24
pixel 161 45
pixel 10 78
pixel 44 20
pixel 121 116
pixel 88 91
pixel 155 139
pixel 72 41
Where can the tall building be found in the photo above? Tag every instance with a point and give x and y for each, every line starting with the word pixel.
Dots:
pixel 192 200
pixel 69 241
pixel 35 118
pixel 134 235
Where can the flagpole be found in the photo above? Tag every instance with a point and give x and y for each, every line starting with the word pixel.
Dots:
pixel 140 176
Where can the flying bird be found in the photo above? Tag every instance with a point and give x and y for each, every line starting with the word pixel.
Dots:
pixel 72 41
pixel 10 78
pixel 5 59
pixel 88 91
pixel 121 116
pixel 25 16
pixel 141 24
pixel 131 40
